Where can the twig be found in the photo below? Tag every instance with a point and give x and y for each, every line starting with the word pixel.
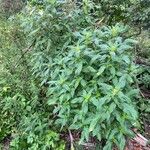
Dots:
pixel 141 140
pixel 140 90
pixel 98 23
pixel 135 53
pixel 71 140
pixel 88 144
pixel 25 51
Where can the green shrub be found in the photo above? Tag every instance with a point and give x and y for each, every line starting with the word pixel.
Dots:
pixel 9 82
pixel 76 75
pixel 87 72
pixel 90 85
pixel 144 78
pixel 132 12
pixel 8 8
pixel 35 134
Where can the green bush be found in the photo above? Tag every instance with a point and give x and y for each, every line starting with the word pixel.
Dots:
pixel 35 134
pixel 89 84
pixel 20 96
pixel 7 7
pixel 10 77
pixel 64 69
pixel 132 12
pixel 84 71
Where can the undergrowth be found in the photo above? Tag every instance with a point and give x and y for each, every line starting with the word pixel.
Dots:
pixel 69 67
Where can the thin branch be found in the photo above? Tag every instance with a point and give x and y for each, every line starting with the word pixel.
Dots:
pixel 88 144
pixel 71 140
pixel 141 140
pixel 137 85
pixel 25 51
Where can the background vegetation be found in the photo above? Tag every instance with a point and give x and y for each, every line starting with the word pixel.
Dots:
pixel 73 73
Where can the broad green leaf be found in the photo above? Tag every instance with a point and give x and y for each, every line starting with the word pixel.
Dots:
pixel 85 107
pixel 113 71
pixel 126 59
pixel 93 123
pixel 112 107
pixel 51 101
pixel 122 81
pixel 101 70
pixel 108 146
pixel 120 141
pixel 131 41
pixel 79 68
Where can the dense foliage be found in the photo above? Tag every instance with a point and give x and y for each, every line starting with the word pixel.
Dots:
pixel 73 67
pixel 94 77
